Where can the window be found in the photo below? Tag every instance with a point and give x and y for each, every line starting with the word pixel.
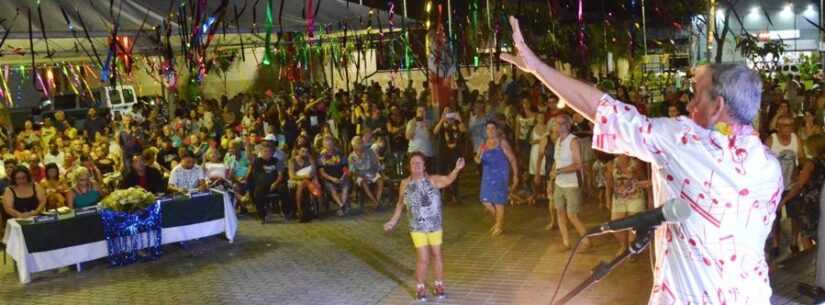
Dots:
pixel 128 95
pixel 114 96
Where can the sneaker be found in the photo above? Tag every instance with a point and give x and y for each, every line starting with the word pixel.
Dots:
pixel 421 293
pixel 438 291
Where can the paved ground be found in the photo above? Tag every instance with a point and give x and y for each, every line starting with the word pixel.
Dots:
pixel 347 261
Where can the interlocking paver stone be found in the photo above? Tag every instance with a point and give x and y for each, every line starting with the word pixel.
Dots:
pixel 352 261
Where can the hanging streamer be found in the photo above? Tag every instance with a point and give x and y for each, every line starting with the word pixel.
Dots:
pixel 40 84
pixel 49 53
pixel 88 37
pixel 255 17
pixel 280 22
pixel 238 27
pixel 580 18
pixel 131 237
pixel 391 26
pixel 71 81
pixel 31 46
pixel 9 100
pixel 268 40
pixel 310 16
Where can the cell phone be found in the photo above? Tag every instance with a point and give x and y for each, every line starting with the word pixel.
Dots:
pixel 452 115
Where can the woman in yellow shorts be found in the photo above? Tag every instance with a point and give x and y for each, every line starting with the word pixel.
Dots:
pixel 625 183
pixel 420 194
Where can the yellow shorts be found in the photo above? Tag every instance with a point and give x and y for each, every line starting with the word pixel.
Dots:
pixel 421 239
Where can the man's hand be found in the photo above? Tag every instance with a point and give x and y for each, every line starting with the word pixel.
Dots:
pixel 459 164
pixel 524 58
pixel 202 186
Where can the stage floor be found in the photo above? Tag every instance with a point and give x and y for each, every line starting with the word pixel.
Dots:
pixel 352 261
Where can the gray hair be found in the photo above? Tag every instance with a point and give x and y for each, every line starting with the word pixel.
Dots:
pixel 741 88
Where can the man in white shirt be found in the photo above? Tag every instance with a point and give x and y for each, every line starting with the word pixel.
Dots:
pixel 712 161
pixel 566 192
pixel 55 156
pixel 187 176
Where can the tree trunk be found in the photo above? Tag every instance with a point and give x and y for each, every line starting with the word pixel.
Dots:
pixel 720 39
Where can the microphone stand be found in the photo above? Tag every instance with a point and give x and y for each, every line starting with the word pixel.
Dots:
pixel 602 269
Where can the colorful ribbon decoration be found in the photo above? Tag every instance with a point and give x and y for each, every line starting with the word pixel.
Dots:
pixel 580 17
pixel 268 40
pixel 309 14
pixel 132 236
pixel 41 84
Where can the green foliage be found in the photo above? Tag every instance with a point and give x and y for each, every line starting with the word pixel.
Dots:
pixel 759 53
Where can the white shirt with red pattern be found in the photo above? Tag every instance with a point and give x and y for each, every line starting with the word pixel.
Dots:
pixel 732 183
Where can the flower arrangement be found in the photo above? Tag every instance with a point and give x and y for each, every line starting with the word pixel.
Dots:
pixel 128 200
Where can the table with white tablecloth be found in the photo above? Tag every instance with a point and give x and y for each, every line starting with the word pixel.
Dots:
pixel 68 241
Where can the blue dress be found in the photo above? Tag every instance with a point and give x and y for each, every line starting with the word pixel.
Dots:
pixel 495 176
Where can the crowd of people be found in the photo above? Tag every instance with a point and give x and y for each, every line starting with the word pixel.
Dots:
pixel 279 152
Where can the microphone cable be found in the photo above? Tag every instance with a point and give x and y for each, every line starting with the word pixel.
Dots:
pixel 564 271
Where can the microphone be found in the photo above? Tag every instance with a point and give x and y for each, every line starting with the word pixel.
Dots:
pixel 674 210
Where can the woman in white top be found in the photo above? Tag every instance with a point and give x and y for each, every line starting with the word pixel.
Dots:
pixel 787 147
pixel 537 165
pixel 216 170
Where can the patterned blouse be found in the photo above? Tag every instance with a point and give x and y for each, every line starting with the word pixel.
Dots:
pixel 423 203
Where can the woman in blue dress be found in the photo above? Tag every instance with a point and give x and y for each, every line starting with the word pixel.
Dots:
pixel 498 162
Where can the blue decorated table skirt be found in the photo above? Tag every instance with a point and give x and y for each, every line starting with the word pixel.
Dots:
pixel 43 246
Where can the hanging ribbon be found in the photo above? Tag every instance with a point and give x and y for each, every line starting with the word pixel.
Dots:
pixel 88 37
pixel 310 17
pixel 31 46
pixel 8 98
pixel 391 26
pixel 280 22
pixel 50 80
pixel 49 53
pixel 255 17
pixel 238 27
pixel 71 80
pixel 268 40
pixel 40 84
pixel 4 92
pixel 580 18
pixel 131 237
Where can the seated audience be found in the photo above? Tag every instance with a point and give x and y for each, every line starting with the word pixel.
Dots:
pixel 24 198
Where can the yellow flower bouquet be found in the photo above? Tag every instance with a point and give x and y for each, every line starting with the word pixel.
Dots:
pixel 128 200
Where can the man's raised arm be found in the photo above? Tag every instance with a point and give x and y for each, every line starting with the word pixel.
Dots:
pixel 580 96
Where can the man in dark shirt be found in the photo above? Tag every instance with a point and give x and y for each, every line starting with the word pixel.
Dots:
pixel 93 124
pixel 144 176
pixel 267 183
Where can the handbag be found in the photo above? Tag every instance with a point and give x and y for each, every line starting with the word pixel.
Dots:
pixel 314 188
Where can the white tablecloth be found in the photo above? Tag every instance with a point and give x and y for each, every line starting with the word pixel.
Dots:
pixel 28 263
